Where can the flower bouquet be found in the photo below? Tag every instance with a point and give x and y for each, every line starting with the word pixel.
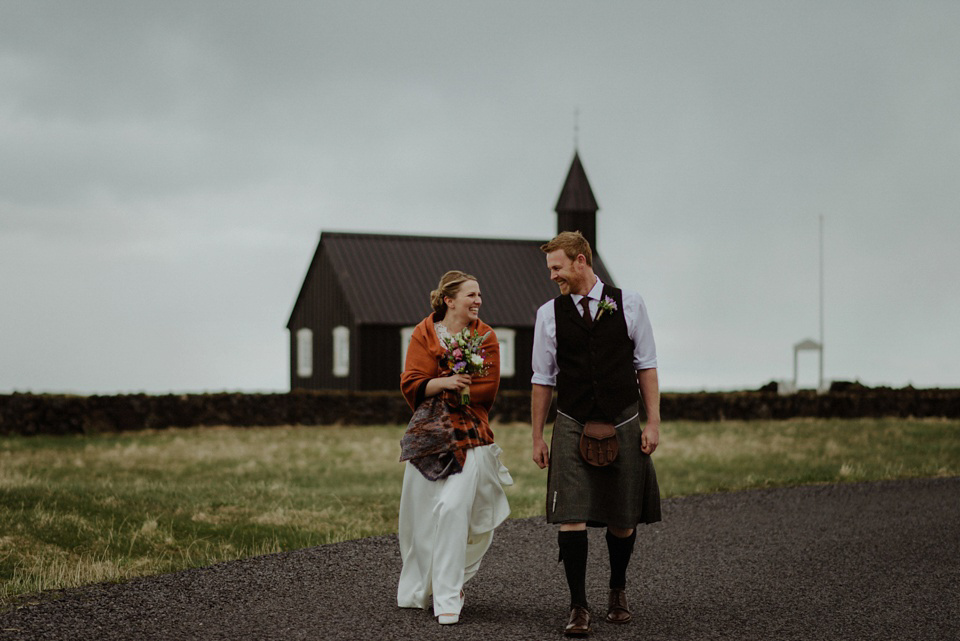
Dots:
pixel 464 355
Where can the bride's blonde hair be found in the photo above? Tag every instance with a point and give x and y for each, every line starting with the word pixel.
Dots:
pixel 450 284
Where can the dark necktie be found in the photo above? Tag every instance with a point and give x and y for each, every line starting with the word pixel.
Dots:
pixel 587 318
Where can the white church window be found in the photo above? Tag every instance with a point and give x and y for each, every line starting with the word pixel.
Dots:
pixel 304 353
pixel 405 334
pixel 341 351
pixel 508 340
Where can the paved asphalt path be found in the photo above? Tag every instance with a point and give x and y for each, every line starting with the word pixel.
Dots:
pixel 851 561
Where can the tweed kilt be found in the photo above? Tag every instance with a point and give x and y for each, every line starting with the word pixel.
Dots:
pixel 620 495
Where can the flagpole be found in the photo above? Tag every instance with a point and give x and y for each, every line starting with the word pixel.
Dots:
pixel 821 302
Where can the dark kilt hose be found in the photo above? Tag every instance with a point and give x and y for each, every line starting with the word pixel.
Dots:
pixel 597 380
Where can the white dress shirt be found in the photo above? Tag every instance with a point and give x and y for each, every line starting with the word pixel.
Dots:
pixel 545 334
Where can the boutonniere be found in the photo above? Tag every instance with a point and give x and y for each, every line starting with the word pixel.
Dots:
pixel 606 305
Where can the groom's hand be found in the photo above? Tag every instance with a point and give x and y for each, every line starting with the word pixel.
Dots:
pixel 541 453
pixel 650 438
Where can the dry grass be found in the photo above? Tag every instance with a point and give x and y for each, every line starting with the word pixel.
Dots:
pixel 80 510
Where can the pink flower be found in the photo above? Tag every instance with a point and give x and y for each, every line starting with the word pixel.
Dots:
pixel 458 354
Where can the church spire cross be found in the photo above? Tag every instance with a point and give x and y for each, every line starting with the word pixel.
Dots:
pixel 576 128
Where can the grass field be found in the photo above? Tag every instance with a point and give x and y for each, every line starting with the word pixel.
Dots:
pixel 79 510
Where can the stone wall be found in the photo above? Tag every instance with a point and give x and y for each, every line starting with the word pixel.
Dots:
pixel 854 403
pixel 60 414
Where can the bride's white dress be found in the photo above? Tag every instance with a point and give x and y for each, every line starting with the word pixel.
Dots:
pixel 446 527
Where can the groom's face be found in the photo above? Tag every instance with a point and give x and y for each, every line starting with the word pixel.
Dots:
pixel 567 274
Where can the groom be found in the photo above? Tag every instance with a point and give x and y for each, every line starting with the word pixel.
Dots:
pixel 594 344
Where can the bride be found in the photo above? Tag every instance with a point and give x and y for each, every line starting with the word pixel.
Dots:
pixel 452 497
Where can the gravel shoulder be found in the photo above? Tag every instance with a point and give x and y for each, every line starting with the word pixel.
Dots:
pixel 851 561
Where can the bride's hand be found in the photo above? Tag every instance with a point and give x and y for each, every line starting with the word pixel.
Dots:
pixel 453 383
pixel 456 382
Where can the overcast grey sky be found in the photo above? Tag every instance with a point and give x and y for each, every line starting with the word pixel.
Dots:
pixel 166 169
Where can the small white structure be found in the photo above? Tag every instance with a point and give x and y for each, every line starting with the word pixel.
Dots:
pixel 806 345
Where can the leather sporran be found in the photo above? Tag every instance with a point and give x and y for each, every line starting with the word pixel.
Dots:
pixel 599 443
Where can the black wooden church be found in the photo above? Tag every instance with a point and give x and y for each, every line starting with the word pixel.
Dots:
pixel 364 293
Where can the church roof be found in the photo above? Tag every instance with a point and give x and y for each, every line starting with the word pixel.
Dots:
pixel 576 194
pixel 387 278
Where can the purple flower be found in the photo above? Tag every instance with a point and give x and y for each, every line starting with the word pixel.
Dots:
pixel 606 305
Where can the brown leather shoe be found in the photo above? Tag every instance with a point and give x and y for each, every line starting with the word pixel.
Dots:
pixel 618 611
pixel 579 625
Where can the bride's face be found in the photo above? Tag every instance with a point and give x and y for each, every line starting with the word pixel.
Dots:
pixel 466 305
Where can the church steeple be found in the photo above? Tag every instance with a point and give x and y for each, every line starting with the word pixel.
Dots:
pixel 577 208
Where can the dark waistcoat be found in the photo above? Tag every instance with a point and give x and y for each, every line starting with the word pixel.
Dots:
pixel 596 379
